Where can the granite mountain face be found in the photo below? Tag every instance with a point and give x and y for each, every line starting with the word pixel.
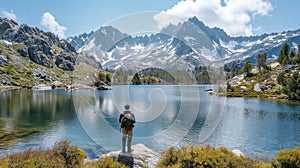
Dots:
pixel 30 56
pixel 181 46
pixel 43 48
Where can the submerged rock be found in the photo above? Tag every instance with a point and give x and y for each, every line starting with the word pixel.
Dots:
pixel 140 157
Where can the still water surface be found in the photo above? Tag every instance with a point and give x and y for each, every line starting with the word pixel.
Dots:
pixel 166 115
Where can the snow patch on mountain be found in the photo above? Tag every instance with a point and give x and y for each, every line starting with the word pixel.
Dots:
pixel 6 42
pixel 189 38
pixel 137 47
pixel 87 47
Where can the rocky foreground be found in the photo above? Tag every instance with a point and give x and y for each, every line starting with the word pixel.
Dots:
pixel 140 157
pixel 65 155
pixel 143 157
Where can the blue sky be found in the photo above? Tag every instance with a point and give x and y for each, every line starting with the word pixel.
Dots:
pixel 236 17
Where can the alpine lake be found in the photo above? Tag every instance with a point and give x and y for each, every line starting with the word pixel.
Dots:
pixel 167 115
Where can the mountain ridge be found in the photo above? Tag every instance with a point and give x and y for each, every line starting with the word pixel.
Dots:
pixel 209 45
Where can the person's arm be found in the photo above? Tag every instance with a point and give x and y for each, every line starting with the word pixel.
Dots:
pixel 120 118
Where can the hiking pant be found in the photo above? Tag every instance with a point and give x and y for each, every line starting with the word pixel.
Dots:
pixel 126 134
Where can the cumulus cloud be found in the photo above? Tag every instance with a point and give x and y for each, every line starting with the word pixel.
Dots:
pixel 10 15
pixel 49 22
pixel 234 16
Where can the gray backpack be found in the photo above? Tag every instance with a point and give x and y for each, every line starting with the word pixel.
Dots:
pixel 128 120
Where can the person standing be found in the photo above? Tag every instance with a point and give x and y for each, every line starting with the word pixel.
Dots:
pixel 127 121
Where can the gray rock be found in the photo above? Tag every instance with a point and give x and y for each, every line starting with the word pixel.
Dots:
pixel 23 51
pixel 21 36
pixel 7 83
pixel 48 79
pixel 7 29
pixel 3 59
pixel 4 27
pixel 140 157
pixel 15 84
pixel 36 55
pixel 257 88
pixel 126 158
pixel 65 61
pixel 238 152
pixel 66 46
pixel 3 82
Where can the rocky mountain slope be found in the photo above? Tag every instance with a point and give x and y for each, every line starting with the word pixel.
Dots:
pixel 42 48
pixel 266 84
pixel 191 42
pixel 29 56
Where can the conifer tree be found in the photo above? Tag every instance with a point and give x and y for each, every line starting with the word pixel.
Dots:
pixel 247 68
pixel 284 52
pixel 136 79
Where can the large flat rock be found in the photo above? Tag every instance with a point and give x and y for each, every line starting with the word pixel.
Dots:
pixel 140 157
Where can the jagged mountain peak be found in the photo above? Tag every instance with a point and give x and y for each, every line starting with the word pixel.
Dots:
pixel 193 41
pixel 106 37
pixel 198 23
pixel 78 41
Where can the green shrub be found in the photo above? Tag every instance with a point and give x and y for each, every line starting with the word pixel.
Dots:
pixel 31 158
pixel 105 162
pixel 16 77
pixel 287 159
pixel 62 155
pixel 204 156
pixel 71 155
pixel 279 89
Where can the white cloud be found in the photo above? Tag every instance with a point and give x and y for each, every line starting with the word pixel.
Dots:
pixel 10 15
pixel 49 22
pixel 234 16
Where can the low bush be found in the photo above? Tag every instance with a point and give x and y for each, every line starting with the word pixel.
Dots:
pixel 204 156
pixel 71 155
pixel 287 159
pixel 105 162
pixel 62 155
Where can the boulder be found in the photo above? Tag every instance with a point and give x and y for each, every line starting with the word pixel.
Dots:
pixel 257 88
pixel 23 51
pixel 7 29
pixel 140 157
pixel 15 84
pixel 66 61
pixel 275 64
pixel 4 26
pixel 126 158
pixel 244 87
pixel 238 152
pixel 36 55
pixel 3 59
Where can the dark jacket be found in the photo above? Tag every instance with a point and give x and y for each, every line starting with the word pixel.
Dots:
pixel 121 118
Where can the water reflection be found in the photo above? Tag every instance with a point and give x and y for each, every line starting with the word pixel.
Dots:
pixel 26 114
